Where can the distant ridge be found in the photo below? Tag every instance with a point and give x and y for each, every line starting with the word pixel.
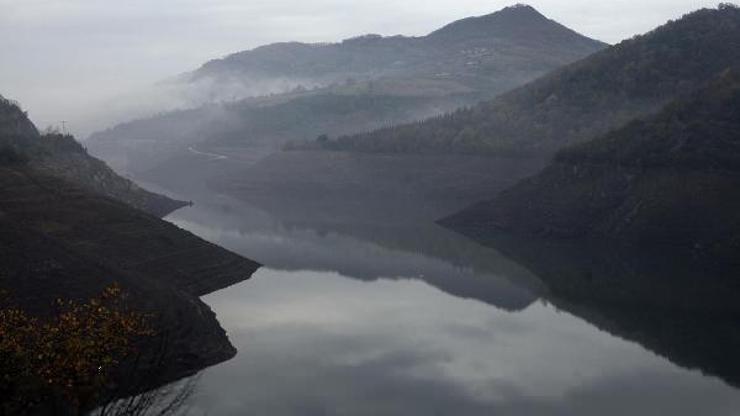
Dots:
pixel 292 91
pixel 369 54
pixel 581 101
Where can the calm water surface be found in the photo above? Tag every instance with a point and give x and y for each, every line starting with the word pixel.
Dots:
pixel 364 319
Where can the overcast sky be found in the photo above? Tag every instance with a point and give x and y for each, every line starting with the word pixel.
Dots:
pixel 61 57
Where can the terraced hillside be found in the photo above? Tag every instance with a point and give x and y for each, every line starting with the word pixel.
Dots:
pixel 58 241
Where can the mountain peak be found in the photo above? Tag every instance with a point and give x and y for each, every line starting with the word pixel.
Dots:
pixel 519 13
pixel 519 21
pixel 519 8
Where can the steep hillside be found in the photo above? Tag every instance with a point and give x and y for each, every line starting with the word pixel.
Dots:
pixel 68 228
pixel 637 77
pixel 673 179
pixel 14 123
pixel 58 241
pixel 344 88
pixel 61 156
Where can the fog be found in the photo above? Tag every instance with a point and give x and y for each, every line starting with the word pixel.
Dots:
pixel 90 62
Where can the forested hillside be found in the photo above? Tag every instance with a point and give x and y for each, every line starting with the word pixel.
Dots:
pixel 582 101
pixel 671 179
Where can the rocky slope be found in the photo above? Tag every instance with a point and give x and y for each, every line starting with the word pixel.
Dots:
pixel 673 179
pixel 61 156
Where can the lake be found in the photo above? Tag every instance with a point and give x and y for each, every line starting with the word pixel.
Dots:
pixel 358 318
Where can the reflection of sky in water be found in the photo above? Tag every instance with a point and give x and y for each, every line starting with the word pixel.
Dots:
pixel 319 343
pixel 414 322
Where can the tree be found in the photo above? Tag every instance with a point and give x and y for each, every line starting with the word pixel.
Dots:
pixel 71 362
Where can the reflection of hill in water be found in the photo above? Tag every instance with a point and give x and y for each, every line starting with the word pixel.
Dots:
pixel 366 251
pixel 678 308
pixel 668 306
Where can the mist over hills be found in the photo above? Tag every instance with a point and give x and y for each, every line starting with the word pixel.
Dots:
pixel 668 179
pixel 581 101
pixel 492 51
pixel 517 132
pixel 357 85
pixel 607 178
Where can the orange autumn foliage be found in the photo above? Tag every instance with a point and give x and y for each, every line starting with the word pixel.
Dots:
pixel 66 359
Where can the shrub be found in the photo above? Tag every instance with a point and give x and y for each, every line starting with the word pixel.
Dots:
pixel 62 364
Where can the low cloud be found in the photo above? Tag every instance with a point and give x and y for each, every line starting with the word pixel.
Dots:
pixel 66 59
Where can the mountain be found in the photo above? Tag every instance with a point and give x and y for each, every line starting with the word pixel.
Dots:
pixel 61 156
pixel 579 102
pixel 670 179
pixel 303 91
pixel 481 52
pixel 518 132
pixel 520 23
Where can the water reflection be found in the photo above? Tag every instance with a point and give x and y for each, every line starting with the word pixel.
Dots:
pixel 671 303
pixel 320 343
pixel 364 251
pixel 362 318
